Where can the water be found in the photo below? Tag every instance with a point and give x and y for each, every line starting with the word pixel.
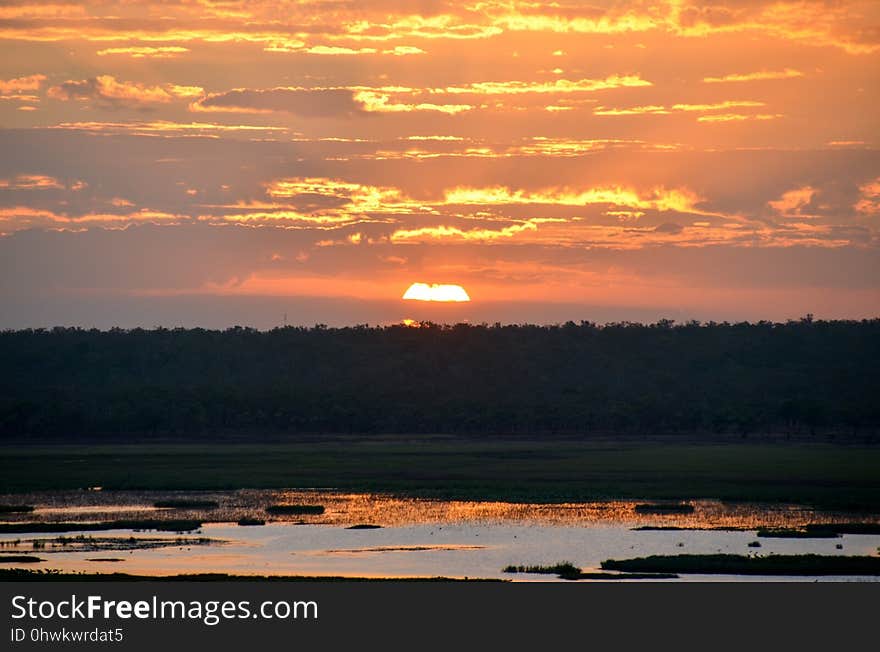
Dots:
pixel 418 538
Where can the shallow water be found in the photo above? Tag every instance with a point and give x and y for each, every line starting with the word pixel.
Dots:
pixel 418 538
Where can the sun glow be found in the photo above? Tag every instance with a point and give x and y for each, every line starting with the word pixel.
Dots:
pixel 434 292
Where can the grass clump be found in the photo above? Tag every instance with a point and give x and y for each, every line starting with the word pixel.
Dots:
pixel 251 521
pixel 794 533
pixel 16 509
pixel 179 525
pixel 279 510
pixel 565 570
pixel 844 528
pixel 722 564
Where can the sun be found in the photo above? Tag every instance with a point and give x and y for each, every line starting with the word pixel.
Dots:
pixel 435 292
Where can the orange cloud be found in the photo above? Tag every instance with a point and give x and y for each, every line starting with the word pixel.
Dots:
pixel 435 232
pixel 716 106
pixel 19 84
pixel 354 197
pixel 845 24
pixel 17 218
pixel 557 86
pixel 869 201
pixel 651 109
pixel 374 102
pixel 49 10
pixel 107 90
pixel 338 50
pixel 794 203
pixel 658 109
pixel 738 117
pixel 31 182
pixel 762 75
pixel 660 199
pixel 142 52
pixel 162 127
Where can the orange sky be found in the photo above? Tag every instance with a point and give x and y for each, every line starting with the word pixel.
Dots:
pixel 639 160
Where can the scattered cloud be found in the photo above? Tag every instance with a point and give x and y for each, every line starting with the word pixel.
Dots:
pixel 19 84
pixel 762 75
pixel 146 52
pixel 869 198
pixel 305 102
pixel 106 90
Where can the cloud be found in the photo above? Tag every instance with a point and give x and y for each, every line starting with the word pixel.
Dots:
pixel 849 25
pixel 738 117
pixel 146 52
pixel 19 84
pixel 21 218
pixel 788 73
pixel 339 102
pixel 31 182
pixel 557 86
pixel 355 198
pixel 374 102
pixel 650 109
pixel 797 203
pixel 163 128
pixel 305 102
pixel 435 232
pixel 349 101
pixel 660 199
pixel 660 109
pixel 337 50
pixel 108 91
pixel 869 199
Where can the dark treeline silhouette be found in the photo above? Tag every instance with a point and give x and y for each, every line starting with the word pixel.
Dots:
pixel 803 377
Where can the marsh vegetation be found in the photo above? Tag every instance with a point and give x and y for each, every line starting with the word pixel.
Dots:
pixel 813 565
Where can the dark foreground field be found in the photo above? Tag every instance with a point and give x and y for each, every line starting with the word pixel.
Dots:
pixel 540 470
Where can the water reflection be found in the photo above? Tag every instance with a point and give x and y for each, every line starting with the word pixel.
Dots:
pixel 414 537
pixel 343 508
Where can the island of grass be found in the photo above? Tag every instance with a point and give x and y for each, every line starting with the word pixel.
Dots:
pixel 124 524
pixel 251 521
pixel 16 509
pixel 723 564
pixel 795 533
pixel 19 559
pixel 564 569
pixel 820 530
pixel 297 510
pixel 844 528
pixel 567 571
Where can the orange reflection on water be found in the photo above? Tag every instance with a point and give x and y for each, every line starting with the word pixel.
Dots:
pixel 349 508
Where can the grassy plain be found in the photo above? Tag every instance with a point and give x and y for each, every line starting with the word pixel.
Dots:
pixel 514 469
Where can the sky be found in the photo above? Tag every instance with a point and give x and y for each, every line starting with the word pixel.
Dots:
pixel 262 162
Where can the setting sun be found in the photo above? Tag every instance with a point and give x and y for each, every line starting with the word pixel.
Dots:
pixel 435 292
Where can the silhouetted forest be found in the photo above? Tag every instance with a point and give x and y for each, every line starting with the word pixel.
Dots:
pixel 801 377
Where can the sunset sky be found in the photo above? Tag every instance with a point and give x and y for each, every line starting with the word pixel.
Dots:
pixel 218 163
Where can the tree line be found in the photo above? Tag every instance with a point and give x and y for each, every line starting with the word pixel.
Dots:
pixel 805 376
